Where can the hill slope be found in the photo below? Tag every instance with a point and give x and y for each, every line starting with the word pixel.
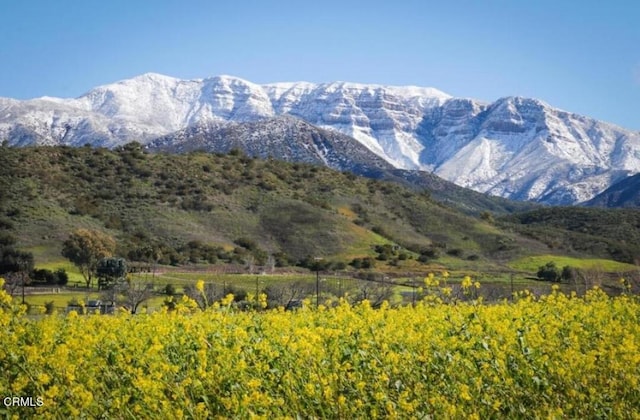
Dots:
pixel 293 140
pixel 625 193
pixel 197 202
pixel 285 138
pixel 607 232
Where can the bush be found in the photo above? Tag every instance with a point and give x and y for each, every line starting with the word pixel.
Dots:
pixel 247 243
pixel 49 307
pixel 42 275
pixel 455 252
pixel 428 254
pixel 169 289
pixel 365 263
pixel 568 273
pixel 62 276
pixel 549 272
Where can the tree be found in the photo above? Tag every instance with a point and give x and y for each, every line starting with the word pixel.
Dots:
pixel 205 294
pixel 15 261
pixel 287 295
pixel 111 271
pixel 549 272
pixel 85 248
pixel 487 217
pixel 134 293
pixel 568 273
pixel 15 267
pixel 375 291
pixel 270 264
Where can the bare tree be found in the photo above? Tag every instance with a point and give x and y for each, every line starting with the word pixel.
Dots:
pixel 13 282
pixel 135 293
pixel 250 263
pixel 376 292
pixel 271 263
pixel 591 277
pixel 130 294
pixel 287 294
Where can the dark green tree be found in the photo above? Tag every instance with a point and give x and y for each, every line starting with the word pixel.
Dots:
pixel 549 272
pixel 111 271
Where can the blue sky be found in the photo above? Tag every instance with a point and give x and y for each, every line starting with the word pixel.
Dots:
pixel 579 56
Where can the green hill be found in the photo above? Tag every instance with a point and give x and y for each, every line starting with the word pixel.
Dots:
pixel 200 207
pixel 604 233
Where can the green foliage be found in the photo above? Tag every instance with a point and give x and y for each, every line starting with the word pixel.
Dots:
pixel 364 263
pixel 428 254
pixel 170 289
pixel 46 276
pixel 209 208
pixel 487 217
pixel 15 261
pixel 549 272
pixel 301 229
pixel 85 248
pixel 110 271
pixel 603 233
pixel 532 263
pixel 49 307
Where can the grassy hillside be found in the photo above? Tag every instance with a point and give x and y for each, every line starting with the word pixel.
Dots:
pixel 463 199
pixel 201 207
pixel 604 233
pixel 193 204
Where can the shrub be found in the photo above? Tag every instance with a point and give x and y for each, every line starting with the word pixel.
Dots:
pixel 549 272
pixel 169 289
pixel 49 307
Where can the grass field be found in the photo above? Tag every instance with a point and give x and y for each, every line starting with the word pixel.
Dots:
pixel 532 263
pixel 496 282
pixel 60 300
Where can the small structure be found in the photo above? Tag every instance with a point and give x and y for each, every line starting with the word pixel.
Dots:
pixel 92 307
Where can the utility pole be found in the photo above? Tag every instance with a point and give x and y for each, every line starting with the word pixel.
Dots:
pixel 23 265
pixel 512 287
pixel 413 286
pixel 317 260
pixel 317 286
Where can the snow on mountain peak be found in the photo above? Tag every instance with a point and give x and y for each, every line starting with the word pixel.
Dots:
pixel 514 147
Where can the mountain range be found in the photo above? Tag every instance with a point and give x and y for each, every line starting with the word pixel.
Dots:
pixel 517 148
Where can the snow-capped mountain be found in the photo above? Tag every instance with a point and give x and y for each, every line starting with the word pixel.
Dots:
pixel 526 150
pixel 285 137
pixel 515 147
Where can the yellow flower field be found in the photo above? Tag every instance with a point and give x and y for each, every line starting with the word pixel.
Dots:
pixel 556 356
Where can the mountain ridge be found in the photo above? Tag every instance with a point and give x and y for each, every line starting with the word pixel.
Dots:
pixel 514 147
pixel 625 193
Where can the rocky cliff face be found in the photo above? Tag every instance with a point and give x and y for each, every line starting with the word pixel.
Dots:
pixel 515 147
